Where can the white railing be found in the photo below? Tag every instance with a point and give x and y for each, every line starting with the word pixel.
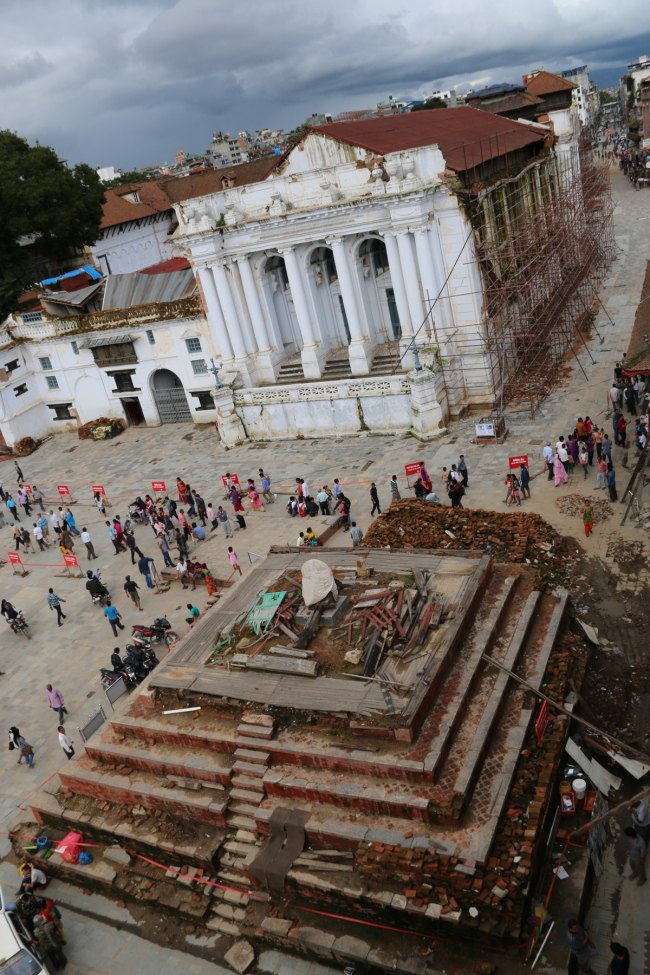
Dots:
pixel 338 389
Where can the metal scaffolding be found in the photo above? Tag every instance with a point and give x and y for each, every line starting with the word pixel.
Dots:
pixel 543 240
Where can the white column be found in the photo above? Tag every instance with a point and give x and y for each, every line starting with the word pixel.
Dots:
pixel 229 310
pixel 254 306
pixel 397 281
pixel 411 282
pixel 310 352
pixel 215 315
pixel 237 292
pixel 427 276
pixel 446 310
pixel 359 359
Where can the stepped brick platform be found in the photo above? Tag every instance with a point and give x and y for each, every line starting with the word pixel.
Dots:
pixel 418 788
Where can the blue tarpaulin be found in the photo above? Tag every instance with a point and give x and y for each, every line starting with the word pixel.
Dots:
pixel 90 271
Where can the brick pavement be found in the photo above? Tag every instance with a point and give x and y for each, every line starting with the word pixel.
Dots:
pixel 70 657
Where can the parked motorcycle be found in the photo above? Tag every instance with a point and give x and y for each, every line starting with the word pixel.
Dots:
pixel 126 673
pixel 159 630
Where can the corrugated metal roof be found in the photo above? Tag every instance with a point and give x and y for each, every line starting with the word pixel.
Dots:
pixel 128 290
pixel 466 136
pixel 106 340
pixel 502 89
pixel 73 297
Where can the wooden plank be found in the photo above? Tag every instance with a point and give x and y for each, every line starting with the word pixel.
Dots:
pixel 283 665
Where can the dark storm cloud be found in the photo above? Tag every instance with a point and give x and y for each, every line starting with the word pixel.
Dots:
pixel 126 82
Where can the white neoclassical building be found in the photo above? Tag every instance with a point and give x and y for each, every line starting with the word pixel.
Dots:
pixel 329 280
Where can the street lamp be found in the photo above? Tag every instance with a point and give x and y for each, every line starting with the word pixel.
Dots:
pixel 215 372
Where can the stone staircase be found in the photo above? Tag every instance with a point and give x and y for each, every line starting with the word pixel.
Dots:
pixel 337 366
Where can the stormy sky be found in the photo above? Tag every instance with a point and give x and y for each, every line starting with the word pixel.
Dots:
pixel 127 82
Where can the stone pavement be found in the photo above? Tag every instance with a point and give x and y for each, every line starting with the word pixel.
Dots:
pixel 70 657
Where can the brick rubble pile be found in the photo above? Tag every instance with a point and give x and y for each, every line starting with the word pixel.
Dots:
pixel 573 504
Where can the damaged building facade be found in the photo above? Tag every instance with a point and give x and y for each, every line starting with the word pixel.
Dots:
pixel 383 275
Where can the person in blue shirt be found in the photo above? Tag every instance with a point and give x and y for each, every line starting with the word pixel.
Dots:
pixel 143 566
pixel 113 617
pixel 198 532
pixel 525 481
pixel 69 517
pixel 611 484
pixel 266 486
pixel 11 505
pixel 194 614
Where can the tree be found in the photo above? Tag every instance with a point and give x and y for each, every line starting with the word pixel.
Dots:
pixel 606 97
pixel 297 132
pixel 434 102
pixel 133 176
pixel 40 198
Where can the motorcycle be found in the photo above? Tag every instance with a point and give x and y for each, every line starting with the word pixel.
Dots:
pixel 101 598
pixel 142 661
pixel 19 626
pixel 159 630
pixel 126 672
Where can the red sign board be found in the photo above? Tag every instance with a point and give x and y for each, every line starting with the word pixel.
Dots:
pixel 411 469
pixel 542 722
pixel 63 490
pixel 98 489
pixel 159 486
pixel 516 462
pixel 71 561
pixel 14 558
pixel 26 488
pixel 233 478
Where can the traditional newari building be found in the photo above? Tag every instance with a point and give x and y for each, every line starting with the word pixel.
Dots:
pixel 380 276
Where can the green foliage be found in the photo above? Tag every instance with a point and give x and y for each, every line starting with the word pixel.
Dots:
pixel 631 98
pixel 297 132
pixel 434 102
pixel 40 196
pixel 606 98
pixel 134 176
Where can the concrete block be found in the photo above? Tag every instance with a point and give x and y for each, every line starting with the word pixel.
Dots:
pixel 332 615
pixel 350 947
pixel 318 941
pixel 434 911
pixel 241 956
pixel 278 926
pixel 399 902
pixel 117 854
pixel 266 720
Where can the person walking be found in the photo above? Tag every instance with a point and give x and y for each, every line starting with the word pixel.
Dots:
pixel 337 490
pixel 622 430
pixel 266 486
pixel 162 544
pixel 588 518
pixel 113 537
pixel 640 819
pixel 16 534
pixel 606 448
pixel 323 500
pixel 37 497
pixel 44 525
pixel 48 940
pixel 611 484
pixel 232 556
pixel 584 462
pixel 548 459
pixel 462 470
pixel 212 518
pixel 12 508
pixel 615 418
pixel 113 618
pixel 356 535
pixel 55 700
pixel 72 525
pixel 143 566
pixel 65 742
pixel 19 473
pixel 601 475
pixel 200 507
pixel 525 481
pixel 132 590
pixel 394 489
pixel 38 535
pixel 86 539
pixel 23 499
pixel 224 521
pixel 581 945
pixel 22 746
pixel 54 603
pixel 375 499
pixel 597 437
pixel 132 546
pixel 636 852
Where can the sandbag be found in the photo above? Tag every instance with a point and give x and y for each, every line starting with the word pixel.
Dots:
pixel 69 847
pixel 317 581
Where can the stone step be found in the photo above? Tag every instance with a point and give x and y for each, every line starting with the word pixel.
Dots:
pixel 223 927
pixel 248 768
pixel 246 795
pixel 242 849
pixel 234 878
pixel 255 744
pixel 160 759
pixel 141 789
pixel 254 731
pixel 248 755
pixel 247 782
pixel 241 808
pixel 236 821
pixel 152 725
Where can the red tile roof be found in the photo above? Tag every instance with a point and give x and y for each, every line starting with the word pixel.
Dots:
pixel 546 83
pixel 466 136
pixel 118 209
pixel 173 264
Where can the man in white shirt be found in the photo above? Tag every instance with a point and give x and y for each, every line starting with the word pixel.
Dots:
pixel 85 538
pixel 301 539
pixel 56 524
pixel 559 444
pixel 548 457
pixel 65 742
pixel 38 535
pixel 564 456
pixel 181 570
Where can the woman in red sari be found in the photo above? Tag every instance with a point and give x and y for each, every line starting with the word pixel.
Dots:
pixel 426 480
pixel 235 497
pixel 180 485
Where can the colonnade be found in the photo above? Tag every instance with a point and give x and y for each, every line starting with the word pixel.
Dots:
pixel 249 338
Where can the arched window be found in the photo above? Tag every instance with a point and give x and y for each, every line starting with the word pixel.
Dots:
pixel 375 251
pixel 324 257
pixel 276 263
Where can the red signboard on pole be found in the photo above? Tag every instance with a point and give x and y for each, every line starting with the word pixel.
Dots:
pixel 233 478
pixel 14 558
pixel 516 462
pixel 70 561
pixel 412 469
pixel 98 489
pixel 63 490
pixel 542 722
pixel 26 487
pixel 159 486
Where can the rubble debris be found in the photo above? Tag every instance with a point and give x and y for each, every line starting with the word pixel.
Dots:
pixel 573 505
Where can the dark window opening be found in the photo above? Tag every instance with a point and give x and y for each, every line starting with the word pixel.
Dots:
pixel 11 366
pixel 62 411
pixel 205 399
pixel 19 390
pixel 124 381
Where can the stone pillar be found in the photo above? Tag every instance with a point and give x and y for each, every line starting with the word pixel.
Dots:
pixel 237 292
pixel 267 372
pixel 360 361
pixel 231 428
pixel 428 405
pixel 411 283
pixel 215 316
pixel 397 281
pixel 427 277
pixel 311 359
pixel 242 363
